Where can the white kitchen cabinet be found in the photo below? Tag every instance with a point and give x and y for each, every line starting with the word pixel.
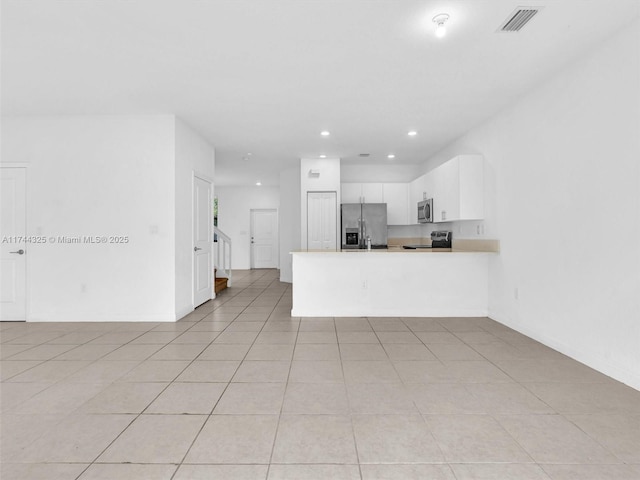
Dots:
pixel 350 192
pixel 372 193
pixel 361 193
pixel 396 196
pixel 458 189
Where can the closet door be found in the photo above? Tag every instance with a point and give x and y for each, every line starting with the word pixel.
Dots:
pixel 321 221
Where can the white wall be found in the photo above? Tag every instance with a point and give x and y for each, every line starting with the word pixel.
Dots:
pixel 193 155
pixel 98 175
pixel 289 218
pixel 327 181
pixel 390 173
pixel 565 204
pixel 234 217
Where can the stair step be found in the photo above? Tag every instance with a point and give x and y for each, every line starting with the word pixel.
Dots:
pixel 220 284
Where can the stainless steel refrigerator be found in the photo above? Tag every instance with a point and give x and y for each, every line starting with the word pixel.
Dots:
pixel 361 222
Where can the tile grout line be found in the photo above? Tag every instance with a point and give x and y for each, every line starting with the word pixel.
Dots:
pixel 284 395
pixel 346 388
pixel 156 397
pixel 225 389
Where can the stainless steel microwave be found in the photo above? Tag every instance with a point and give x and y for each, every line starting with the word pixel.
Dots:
pixel 425 211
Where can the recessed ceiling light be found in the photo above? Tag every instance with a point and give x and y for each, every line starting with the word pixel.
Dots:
pixel 258 183
pixel 440 20
pixel 323 156
pixel 325 133
pixel 412 133
pixel 391 156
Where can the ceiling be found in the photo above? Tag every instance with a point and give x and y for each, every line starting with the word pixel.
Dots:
pixel 266 76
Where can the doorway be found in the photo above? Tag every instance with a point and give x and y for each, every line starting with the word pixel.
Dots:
pixel 202 241
pixel 264 238
pixel 13 225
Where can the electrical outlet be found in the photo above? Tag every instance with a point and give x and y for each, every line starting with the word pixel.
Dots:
pixel 515 293
pixel 83 288
pixel 364 285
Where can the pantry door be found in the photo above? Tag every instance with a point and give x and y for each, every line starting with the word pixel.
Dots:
pixel 321 221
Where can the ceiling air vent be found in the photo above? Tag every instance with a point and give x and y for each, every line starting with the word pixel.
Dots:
pixel 518 19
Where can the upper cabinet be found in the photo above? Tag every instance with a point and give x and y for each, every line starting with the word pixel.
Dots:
pixel 361 193
pixel 372 193
pixel 396 196
pixel 456 186
pixel 458 189
pixel 350 192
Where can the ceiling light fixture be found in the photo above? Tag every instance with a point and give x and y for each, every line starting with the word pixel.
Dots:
pixel 325 133
pixel 323 156
pixel 412 133
pixel 391 156
pixel 258 184
pixel 440 20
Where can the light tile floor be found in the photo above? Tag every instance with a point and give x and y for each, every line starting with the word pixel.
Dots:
pixel 241 390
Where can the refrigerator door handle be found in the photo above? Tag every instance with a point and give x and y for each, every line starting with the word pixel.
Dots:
pixel 364 234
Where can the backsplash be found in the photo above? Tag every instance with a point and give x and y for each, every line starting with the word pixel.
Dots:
pixel 468 229
pixel 467 235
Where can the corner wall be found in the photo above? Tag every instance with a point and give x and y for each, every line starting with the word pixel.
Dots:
pixel 327 181
pixel 289 219
pixel 98 175
pixel 565 204
pixel 193 155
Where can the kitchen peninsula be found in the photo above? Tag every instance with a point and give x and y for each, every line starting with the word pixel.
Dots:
pixel 390 283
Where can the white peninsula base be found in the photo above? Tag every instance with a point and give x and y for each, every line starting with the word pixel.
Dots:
pixel 390 284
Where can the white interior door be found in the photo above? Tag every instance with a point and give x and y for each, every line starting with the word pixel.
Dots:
pixel 321 221
pixel 13 274
pixel 202 241
pixel 264 238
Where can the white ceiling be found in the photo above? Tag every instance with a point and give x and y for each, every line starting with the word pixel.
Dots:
pixel 266 76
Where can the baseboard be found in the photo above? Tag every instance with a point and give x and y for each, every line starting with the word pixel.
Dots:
pixel 183 312
pixel 617 372
pixel 110 317
pixel 398 312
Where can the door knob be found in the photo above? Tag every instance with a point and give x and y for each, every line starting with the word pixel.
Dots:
pixel 195 249
pixel 19 252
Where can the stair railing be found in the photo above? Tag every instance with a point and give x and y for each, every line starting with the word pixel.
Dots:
pixel 223 254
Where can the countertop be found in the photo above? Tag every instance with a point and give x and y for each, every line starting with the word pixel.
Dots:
pixel 380 251
pixel 395 246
